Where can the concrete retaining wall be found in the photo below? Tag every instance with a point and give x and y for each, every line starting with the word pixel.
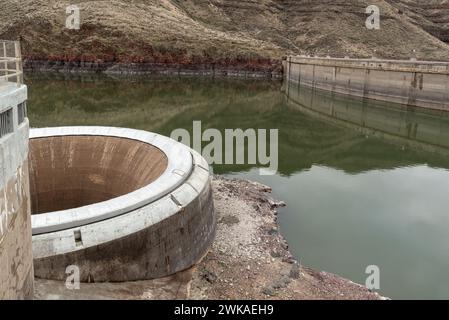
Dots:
pixel 16 259
pixel 413 83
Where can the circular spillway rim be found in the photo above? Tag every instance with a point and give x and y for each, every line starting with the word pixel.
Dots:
pixel 178 169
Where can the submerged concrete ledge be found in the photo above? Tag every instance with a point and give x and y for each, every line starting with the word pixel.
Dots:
pixel 413 83
pixel 159 229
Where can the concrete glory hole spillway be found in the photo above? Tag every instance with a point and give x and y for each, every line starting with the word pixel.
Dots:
pixel 119 204
pixel 74 171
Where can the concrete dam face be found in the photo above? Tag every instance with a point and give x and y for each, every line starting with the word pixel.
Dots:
pixel 16 257
pixel 119 204
pixel 412 83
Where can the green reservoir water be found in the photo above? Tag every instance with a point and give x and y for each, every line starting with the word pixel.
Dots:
pixel 365 183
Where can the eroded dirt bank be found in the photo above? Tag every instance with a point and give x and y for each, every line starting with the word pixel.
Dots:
pixel 162 65
pixel 248 260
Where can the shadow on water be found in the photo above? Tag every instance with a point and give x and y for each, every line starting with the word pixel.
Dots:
pixel 364 181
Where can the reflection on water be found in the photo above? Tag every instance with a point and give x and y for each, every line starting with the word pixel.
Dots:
pixel 427 129
pixel 364 183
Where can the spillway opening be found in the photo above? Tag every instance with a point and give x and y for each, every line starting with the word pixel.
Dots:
pixel 74 171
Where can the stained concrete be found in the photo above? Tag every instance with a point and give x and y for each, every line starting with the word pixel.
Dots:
pixel 16 259
pixel 74 171
pixel 169 233
pixel 413 83
pixel 179 167
pixel 16 263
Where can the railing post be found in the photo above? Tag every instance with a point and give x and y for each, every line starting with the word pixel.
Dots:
pixel 18 58
pixel 5 60
pixel 11 62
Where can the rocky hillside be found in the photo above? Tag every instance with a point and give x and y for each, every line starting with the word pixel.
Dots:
pixel 431 15
pixel 207 31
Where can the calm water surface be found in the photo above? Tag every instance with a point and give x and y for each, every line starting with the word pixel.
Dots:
pixel 365 183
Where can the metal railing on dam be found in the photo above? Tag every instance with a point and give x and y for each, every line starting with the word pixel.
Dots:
pixel 408 82
pixel 120 204
pixel 10 62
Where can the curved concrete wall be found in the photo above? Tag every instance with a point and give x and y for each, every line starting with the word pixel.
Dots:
pixel 74 171
pixel 16 259
pixel 414 83
pixel 168 233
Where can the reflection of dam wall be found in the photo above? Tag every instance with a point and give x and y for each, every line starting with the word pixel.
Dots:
pixel 413 83
pixel 16 260
pixel 427 128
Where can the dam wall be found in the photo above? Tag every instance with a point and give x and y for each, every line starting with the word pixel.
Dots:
pixel 16 258
pixel 407 82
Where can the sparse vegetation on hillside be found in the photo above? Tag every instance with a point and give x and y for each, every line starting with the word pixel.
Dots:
pixel 204 31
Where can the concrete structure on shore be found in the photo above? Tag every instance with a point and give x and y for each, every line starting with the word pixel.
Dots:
pixel 119 204
pixel 412 83
pixel 16 258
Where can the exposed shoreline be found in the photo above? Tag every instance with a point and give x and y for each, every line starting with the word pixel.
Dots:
pixel 248 260
pixel 266 68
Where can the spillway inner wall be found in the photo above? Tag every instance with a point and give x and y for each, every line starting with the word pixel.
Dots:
pixel 74 171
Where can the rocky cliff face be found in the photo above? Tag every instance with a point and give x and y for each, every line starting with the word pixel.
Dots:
pixel 225 31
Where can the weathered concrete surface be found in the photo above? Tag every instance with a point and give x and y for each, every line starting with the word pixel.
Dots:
pixel 168 288
pixel 249 259
pixel 161 249
pixel 164 227
pixel 16 259
pixel 178 169
pixel 74 171
pixel 413 83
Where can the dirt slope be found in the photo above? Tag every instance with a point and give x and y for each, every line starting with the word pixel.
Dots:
pixel 431 15
pixel 194 31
